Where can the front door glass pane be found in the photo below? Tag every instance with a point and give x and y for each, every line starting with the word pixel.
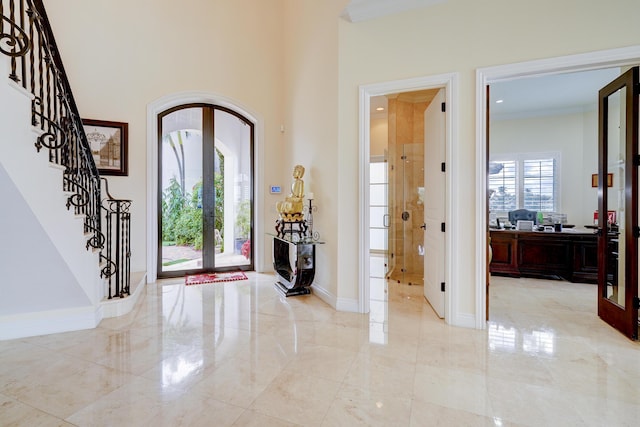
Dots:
pixel 181 190
pixel 233 189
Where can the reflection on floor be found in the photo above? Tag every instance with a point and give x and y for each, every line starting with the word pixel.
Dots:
pixel 378 268
pixel 240 354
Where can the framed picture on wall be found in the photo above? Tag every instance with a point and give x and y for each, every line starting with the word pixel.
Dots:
pixel 108 142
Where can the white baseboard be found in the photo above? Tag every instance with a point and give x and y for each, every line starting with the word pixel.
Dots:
pixel 120 306
pixel 340 304
pixel 348 304
pixel 465 320
pixel 49 322
pixel 324 295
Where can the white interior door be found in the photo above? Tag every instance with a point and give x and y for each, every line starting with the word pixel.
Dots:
pixel 434 202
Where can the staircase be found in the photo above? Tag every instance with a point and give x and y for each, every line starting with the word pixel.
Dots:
pixel 64 241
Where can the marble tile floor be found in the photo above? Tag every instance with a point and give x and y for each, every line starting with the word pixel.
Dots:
pixel 239 354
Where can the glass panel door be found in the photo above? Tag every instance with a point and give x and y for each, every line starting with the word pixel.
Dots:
pixel 412 255
pixel 233 190
pixel 206 182
pixel 617 204
pixel 180 198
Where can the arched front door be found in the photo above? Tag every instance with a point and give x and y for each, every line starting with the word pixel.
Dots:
pixel 205 188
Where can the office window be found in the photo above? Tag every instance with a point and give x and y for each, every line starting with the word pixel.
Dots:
pixel 539 182
pixel 525 181
pixel 502 186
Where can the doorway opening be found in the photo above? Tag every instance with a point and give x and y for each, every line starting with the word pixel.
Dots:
pixel 205 187
pixel 393 153
pixel 488 81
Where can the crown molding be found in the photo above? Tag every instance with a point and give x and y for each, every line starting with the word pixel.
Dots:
pixel 363 10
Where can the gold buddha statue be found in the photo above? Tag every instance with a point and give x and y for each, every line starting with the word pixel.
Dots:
pixel 291 208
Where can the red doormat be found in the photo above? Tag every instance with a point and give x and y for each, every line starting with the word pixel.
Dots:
pixel 199 279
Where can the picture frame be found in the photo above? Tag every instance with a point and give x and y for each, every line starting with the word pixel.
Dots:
pixel 594 180
pixel 109 145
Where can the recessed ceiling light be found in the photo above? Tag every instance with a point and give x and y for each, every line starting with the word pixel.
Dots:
pixel 499 101
pixel 380 109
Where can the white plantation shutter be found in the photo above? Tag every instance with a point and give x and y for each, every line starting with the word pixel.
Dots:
pixel 528 181
pixel 504 186
pixel 539 183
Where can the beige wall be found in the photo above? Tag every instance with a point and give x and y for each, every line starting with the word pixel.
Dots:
pixel 303 69
pixel 311 135
pixel 458 36
pixel 575 137
pixel 121 55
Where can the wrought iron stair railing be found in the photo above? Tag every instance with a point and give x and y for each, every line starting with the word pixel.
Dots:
pixel 27 39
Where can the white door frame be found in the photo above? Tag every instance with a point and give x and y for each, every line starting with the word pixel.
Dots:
pixel 450 83
pixel 583 62
pixel 156 107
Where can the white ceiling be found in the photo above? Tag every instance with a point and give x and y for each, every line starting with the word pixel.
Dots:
pixel 547 95
pixel 539 96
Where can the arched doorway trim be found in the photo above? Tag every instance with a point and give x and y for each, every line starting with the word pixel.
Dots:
pixel 191 97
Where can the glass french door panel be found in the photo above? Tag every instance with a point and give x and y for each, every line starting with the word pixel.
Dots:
pixel 616 154
pixel 617 204
pixel 181 185
pixel 233 189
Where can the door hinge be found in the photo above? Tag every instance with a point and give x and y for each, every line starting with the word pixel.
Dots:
pixel 636 160
pixel 442 227
pixel 636 232
pixel 443 107
pixel 442 287
pixel 443 167
pixel 636 302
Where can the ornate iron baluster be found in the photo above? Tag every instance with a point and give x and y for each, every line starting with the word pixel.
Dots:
pixel 26 29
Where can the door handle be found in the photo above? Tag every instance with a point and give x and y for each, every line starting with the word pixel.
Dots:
pixel 423 226
pixel 386 220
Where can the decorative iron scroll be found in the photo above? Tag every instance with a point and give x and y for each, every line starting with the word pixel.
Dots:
pixel 27 38
pixel 14 43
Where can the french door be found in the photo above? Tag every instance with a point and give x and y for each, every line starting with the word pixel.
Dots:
pixel 618 204
pixel 205 203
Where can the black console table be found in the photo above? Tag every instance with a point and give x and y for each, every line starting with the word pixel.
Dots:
pixel 295 265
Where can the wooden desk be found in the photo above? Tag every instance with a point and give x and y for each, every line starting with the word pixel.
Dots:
pixel 569 254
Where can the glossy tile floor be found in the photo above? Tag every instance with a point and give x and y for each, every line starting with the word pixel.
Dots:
pixel 239 354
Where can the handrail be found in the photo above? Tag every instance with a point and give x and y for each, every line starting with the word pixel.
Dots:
pixel 27 39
